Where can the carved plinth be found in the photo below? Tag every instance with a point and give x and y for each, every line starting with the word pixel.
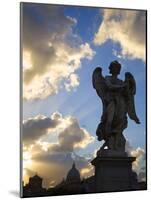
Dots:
pixel 114 173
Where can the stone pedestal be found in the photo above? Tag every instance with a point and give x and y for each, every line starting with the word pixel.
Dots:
pixel 114 173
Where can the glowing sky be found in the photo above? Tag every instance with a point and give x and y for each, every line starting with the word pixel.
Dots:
pixel 61 48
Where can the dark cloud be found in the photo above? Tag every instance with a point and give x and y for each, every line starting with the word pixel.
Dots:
pixel 34 128
pixel 74 137
pixel 71 135
pixel 142 176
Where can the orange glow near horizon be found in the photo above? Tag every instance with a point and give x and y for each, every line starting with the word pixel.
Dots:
pixel 27 163
pixel 26 60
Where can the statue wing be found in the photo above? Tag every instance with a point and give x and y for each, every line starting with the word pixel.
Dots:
pixel 130 93
pixel 98 82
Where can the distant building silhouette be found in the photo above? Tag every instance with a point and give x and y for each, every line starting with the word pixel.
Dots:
pixel 72 184
pixel 73 175
pixel 34 187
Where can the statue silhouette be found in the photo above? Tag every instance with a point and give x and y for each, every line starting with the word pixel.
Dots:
pixel 117 98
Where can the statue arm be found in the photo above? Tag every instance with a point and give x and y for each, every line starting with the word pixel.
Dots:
pixel 114 86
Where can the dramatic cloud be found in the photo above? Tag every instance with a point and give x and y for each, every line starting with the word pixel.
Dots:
pixel 51 52
pixel 50 157
pixel 36 127
pixel 72 137
pixel 70 134
pixel 73 82
pixel 126 28
pixel 138 165
pixel 139 153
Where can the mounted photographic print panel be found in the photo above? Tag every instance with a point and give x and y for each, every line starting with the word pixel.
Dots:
pixel 83 100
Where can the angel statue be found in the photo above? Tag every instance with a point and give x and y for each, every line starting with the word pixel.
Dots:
pixel 117 97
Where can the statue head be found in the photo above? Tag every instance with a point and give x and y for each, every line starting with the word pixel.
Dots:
pixel 115 67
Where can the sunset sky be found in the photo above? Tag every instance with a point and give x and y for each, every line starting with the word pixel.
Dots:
pixel 62 45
